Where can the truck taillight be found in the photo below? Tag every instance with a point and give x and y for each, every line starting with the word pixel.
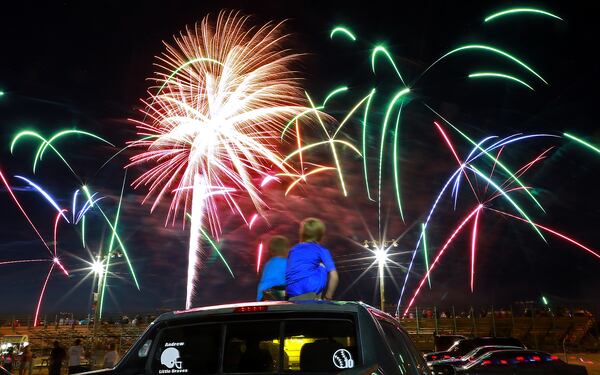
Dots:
pixel 246 309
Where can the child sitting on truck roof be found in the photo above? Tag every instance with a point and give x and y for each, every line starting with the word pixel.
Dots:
pixel 272 282
pixel 310 272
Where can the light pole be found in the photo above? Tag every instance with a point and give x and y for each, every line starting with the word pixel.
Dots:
pixel 99 274
pixel 380 257
pixel 99 267
pixel 380 252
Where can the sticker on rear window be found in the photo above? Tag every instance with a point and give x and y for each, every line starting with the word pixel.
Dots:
pixel 170 358
pixel 342 359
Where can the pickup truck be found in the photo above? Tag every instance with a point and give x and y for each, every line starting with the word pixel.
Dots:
pixel 274 338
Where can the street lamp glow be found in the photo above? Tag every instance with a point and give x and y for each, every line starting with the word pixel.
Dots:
pixel 380 256
pixel 98 267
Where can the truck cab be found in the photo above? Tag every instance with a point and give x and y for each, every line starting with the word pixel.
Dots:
pixel 274 337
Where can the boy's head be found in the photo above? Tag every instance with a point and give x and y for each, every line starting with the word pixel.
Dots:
pixel 311 230
pixel 279 246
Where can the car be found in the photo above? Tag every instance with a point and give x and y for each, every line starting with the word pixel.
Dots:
pixel 274 337
pixel 462 347
pixel 470 356
pixel 516 362
pixel 444 342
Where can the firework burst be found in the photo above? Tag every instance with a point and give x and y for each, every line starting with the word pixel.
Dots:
pixel 223 92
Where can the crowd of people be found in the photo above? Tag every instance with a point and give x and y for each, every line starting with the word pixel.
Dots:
pixel 73 357
pixel 502 312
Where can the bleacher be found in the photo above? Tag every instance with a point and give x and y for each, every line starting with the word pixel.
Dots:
pixel 43 337
pixel 545 333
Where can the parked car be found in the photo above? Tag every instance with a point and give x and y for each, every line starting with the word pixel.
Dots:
pixel 444 342
pixel 462 347
pixel 274 337
pixel 471 356
pixel 516 362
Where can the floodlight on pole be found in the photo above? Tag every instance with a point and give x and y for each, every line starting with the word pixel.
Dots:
pixel 98 268
pixel 381 259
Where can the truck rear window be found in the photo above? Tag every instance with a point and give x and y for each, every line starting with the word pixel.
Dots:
pixel 251 348
pixel 190 349
pixel 320 345
pixel 255 346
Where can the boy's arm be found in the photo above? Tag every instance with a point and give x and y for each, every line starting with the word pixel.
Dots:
pixel 332 284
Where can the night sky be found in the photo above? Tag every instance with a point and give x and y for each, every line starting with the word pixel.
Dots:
pixel 85 65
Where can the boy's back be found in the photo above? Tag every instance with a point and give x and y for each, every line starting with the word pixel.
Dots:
pixel 273 275
pixel 307 269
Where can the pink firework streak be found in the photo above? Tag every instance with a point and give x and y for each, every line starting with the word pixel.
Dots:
pixel 23 261
pixel 252 220
pixel 460 163
pixel 12 195
pixel 55 259
pixel 268 179
pixel 39 304
pixel 474 248
pixel 552 231
pixel 487 185
pixel 259 257
pixel 225 91
pixel 437 258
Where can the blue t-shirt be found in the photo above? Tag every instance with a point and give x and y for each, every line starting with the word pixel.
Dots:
pixel 273 275
pixel 308 266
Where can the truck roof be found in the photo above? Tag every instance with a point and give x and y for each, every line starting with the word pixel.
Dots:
pixel 270 306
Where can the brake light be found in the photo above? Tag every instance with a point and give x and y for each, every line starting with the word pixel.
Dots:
pixel 434 357
pixel 503 362
pixel 536 358
pixel 553 358
pixel 520 359
pixel 486 362
pixel 446 356
pixel 246 309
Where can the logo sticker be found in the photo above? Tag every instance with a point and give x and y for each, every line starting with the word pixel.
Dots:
pixel 342 359
pixel 171 360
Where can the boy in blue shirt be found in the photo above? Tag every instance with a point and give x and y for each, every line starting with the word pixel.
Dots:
pixel 310 272
pixel 274 270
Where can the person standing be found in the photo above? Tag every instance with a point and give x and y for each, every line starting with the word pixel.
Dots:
pixel 310 272
pixel 57 356
pixel 273 274
pixel 75 353
pixel 26 361
pixel 111 357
